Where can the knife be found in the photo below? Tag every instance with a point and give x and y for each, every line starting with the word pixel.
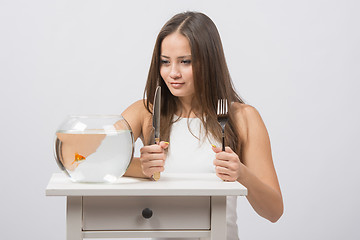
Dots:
pixel 156 122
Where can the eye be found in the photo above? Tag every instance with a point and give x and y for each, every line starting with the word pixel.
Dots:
pixel 186 61
pixel 164 61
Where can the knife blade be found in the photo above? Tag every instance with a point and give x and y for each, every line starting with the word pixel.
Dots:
pixel 156 122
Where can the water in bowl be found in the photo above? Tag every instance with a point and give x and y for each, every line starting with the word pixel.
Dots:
pixel 94 155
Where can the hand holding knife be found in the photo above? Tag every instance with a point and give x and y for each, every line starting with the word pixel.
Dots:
pixel 156 122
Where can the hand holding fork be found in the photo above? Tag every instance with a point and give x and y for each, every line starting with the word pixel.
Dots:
pixel 227 162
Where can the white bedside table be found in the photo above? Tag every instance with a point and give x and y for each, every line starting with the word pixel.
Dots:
pixel 178 205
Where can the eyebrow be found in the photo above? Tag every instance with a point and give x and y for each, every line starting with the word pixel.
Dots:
pixel 187 56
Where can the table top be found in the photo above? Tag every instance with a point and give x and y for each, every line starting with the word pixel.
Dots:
pixel 170 184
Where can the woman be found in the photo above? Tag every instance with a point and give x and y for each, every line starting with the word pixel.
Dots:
pixel 188 63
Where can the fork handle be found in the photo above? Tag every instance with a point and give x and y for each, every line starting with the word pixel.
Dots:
pixel 223 143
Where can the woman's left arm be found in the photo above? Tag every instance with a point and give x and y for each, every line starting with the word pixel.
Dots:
pixel 256 169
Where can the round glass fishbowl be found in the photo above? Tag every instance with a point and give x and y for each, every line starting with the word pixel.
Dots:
pixel 94 148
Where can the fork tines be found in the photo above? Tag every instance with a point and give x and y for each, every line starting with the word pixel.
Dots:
pixel 222 107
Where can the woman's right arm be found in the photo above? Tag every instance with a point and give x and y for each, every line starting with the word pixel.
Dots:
pixel 152 157
pixel 135 116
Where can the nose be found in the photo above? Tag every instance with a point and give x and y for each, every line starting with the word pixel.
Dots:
pixel 175 73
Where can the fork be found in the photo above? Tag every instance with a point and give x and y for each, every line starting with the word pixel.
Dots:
pixel 222 117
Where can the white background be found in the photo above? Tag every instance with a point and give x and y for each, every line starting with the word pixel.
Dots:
pixel 297 62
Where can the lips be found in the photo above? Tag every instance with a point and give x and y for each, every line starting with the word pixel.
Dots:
pixel 177 85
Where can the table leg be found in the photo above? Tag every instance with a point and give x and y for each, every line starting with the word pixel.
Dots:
pixel 218 217
pixel 74 218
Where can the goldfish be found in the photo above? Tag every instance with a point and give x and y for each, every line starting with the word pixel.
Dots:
pixel 78 158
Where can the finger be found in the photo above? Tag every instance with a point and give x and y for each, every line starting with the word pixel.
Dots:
pixel 164 145
pixel 229 150
pixel 150 171
pixel 222 176
pixel 216 149
pixel 150 167
pixel 222 170
pixel 156 169
pixel 153 163
pixel 225 177
pixel 223 156
pixel 228 169
pixel 226 174
pixel 227 156
pixel 152 156
pixel 155 148
pixel 221 163
pixel 232 165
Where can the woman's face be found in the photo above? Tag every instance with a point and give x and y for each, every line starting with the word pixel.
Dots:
pixel 176 66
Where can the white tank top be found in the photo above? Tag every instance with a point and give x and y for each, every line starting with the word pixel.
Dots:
pixel 191 152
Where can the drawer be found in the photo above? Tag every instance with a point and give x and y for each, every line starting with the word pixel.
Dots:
pixel 126 213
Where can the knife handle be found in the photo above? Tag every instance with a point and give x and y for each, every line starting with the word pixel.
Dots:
pixel 156 176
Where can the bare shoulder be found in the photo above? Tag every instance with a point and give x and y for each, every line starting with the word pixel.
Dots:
pixel 243 110
pixel 137 106
pixel 136 110
pixel 247 118
pixel 246 113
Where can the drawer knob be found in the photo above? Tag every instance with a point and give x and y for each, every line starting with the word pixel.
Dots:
pixel 147 213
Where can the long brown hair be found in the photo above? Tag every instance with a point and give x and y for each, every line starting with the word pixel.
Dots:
pixel 212 79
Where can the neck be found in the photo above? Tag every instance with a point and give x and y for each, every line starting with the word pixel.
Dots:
pixel 185 107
